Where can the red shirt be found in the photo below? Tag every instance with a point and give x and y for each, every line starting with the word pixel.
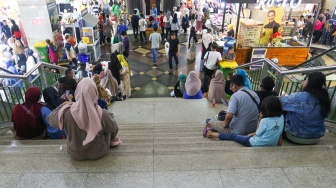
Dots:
pixel 277 34
pixel 162 24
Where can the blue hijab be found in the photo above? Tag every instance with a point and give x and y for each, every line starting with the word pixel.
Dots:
pixel 244 75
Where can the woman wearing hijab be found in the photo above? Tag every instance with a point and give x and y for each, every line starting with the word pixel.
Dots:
pixel 217 88
pixel 175 27
pixel 103 94
pixel 31 62
pixel 179 86
pixel 52 100
pixel 205 85
pixel 26 117
pixel 199 17
pixel 115 67
pixel 20 58
pixel 192 44
pixel 243 73
pixel 168 20
pixel 230 27
pixel 110 83
pixel 91 131
pixel 108 30
pixel 125 75
pixel 98 69
pixel 192 87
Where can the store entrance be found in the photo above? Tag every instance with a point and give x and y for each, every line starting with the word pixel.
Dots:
pixel 149 4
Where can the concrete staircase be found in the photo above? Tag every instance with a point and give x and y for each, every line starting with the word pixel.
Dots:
pixel 163 147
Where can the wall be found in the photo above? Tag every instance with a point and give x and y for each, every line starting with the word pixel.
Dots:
pixel 329 4
pixel 35 19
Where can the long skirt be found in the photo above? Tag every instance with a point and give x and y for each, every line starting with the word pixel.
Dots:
pixel 198 25
pixel 127 84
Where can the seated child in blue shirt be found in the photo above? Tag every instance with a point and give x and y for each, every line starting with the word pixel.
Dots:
pixel 269 130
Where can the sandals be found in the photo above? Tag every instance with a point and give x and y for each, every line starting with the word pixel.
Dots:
pixel 116 143
pixel 205 130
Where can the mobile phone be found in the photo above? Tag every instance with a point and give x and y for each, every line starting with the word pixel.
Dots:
pixel 224 101
pixel 67 92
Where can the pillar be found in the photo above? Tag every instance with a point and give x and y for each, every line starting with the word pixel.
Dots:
pixel 35 19
pixel 168 5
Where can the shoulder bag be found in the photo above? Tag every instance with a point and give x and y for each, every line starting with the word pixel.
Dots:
pixel 254 100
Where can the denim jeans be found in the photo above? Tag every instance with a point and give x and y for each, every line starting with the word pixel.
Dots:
pixel 244 140
pixel 154 53
pixel 171 55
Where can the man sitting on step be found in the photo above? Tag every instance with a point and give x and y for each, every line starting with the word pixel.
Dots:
pixel 242 112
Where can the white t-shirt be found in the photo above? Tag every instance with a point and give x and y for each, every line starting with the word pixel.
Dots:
pixel 142 24
pixel 30 64
pixel 178 14
pixel 207 39
pixel 211 59
pixel 299 24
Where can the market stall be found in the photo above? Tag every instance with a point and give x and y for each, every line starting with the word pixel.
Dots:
pixel 89 31
pixel 270 26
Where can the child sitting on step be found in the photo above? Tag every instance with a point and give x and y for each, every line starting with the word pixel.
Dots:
pixel 271 124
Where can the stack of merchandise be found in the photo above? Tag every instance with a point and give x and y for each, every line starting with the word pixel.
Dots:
pixel 249 34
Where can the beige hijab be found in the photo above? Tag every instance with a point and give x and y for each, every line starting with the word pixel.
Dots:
pixel 193 84
pixel 85 111
pixel 110 82
pixel 217 88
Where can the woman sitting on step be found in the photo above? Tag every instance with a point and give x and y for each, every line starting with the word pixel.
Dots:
pixel 90 130
pixel 217 88
pixel 192 87
pixel 53 100
pixel 26 117
pixel 307 110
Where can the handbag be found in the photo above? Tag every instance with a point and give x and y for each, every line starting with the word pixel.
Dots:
pixel 204 67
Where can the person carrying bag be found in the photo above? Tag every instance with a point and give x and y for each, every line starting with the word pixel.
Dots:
pixel 211 60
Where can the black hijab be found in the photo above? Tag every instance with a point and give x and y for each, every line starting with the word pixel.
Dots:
pixel 115 67
pixel 97 69
pixel 52 98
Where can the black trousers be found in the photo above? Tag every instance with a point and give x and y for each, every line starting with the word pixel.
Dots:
pixel 142 33
pixel 162 32
pixel 208 72
pixel 135 32
pixel 167 32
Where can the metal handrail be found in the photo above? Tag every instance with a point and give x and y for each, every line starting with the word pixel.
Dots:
pixel 287 72
pixel 313 58
pixel 5 70
pixel 28 74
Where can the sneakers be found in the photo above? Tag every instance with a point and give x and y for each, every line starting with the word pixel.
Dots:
pixel 171 71
pixel 154 65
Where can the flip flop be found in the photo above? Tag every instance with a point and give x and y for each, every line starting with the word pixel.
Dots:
pixel 205 130
pixel 207 121
pixel 116 143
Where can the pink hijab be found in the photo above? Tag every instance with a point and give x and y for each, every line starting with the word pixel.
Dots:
pixel 217 88
pixel 85 111
pixel 193 84
pixel 110 82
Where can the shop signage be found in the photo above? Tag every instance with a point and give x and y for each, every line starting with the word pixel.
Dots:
pixel 270 3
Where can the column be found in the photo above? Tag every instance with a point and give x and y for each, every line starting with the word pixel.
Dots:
pixel 35 19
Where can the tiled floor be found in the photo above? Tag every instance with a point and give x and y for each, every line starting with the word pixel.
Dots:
pixel 150 81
